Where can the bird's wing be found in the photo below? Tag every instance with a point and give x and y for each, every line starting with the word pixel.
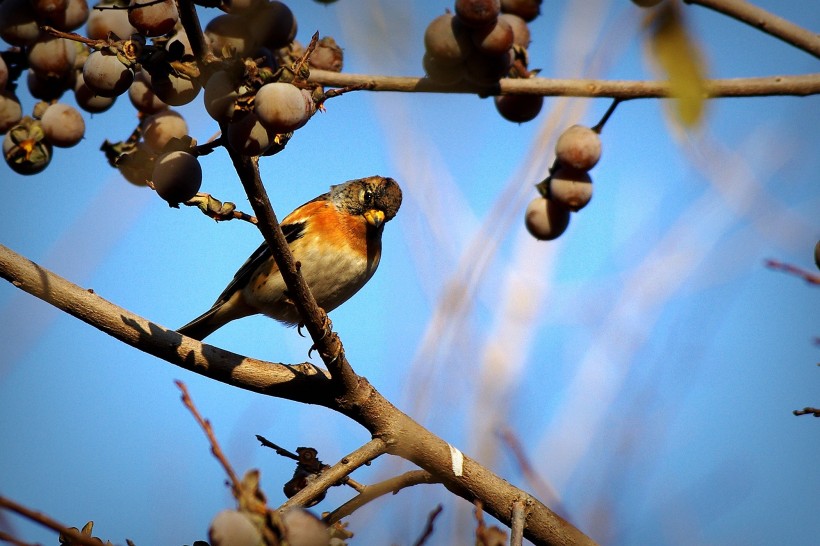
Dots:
pixel 292 231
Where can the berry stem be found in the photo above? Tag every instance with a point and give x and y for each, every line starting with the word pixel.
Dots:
pixel 607 115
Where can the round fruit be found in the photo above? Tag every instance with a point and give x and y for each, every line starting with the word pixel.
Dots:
pixel 47 88
pixel 578 147
pixel 447 39
pixel 304 529
pixel 172 89
pixel 496 39
pixel 52 57
pixel 70 17
pixel 519 108
pixel 545 220
pixel 63 125
pixel 104 74
pixel 18 22
pixel 154 19
pixel 143 97
pixel 220 96
pixel 487 69
pixel 102 22
pixel 570 188
pixel 817 254
pixel 230 33
pixel 249 137
pixel 89 100
pixel 521 32
pixel 161 127
pixel 233 528
pixel 526 9
pixel 282 107
pixel 272 24
pixel 447 73
pixel 4 74
pixel 177 177
pixel 478 13
pixel 10 111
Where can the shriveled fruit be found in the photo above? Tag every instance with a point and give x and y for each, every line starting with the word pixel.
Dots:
pixel 104 74
pixel 177 177
pixel 546 220
pixel 282 107
pixel 152 18
pixel 137 166
pixel 233 528
pixel 478 13
pixel 327 55
pixel 519 108
pixel 25 149
pixel 578 147
pixel 161 127
pixel 63 125
pixel 570 188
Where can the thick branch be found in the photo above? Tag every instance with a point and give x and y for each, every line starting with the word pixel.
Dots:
pixel 765 21
pixel 302 383
pixel 802 85
pixel 401 435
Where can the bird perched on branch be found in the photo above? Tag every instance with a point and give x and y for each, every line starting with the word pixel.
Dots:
pixel 337 239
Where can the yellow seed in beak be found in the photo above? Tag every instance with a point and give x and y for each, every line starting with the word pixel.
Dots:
pixel 374 217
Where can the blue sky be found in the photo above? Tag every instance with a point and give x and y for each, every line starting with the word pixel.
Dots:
pixel 647 360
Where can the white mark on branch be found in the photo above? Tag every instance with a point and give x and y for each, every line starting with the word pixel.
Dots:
pixel 457 460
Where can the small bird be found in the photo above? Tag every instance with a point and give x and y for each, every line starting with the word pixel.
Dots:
pixel 337 239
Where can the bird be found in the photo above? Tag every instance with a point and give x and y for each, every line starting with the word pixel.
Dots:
pixel 337 240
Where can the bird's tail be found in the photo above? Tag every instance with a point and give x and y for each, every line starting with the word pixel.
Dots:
pixel 223 312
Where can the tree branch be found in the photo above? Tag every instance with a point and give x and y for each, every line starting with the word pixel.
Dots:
pixel 302 382
pixel 372 492
pixel 38 517
pixel 765 21
pixel 335 474
pixel 801 85
pixel 401 435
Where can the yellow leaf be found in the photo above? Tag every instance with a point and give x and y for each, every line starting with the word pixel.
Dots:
pixel 678 56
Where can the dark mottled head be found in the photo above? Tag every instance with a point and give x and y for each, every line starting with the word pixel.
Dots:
pixel 376 198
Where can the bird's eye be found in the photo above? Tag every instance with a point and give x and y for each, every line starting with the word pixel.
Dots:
pixel 366 197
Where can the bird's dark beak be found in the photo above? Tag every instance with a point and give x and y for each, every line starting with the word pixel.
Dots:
pixel 374 217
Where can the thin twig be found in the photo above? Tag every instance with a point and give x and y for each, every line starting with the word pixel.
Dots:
pixel 807 276
pixel 5 537
pixel 372 492
pixel 428 528
pixel 765 21
pixel 541 488
pixel 808 411
pixel 336 473
pixel 801 85
pixel 44 520
pixel 279 450
pixel 236 485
